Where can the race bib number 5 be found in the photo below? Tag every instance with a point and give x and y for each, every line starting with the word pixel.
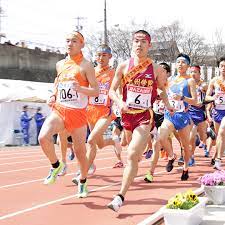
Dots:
pixel 138 97
pixel 220 101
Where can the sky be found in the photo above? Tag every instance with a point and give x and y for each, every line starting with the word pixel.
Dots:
pixel 48 21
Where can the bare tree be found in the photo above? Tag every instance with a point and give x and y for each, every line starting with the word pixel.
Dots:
pixel 166 40
pixel 193 45
pixel 218 45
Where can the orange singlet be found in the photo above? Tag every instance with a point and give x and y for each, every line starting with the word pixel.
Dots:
pixel 100 106
pixel 71 105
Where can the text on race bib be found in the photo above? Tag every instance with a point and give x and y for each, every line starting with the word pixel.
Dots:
pixel 139 97
pixel 101 99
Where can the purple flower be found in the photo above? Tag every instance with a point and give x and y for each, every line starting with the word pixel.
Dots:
pixel 213 179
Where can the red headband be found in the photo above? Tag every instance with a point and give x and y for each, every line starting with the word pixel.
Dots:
pixel 142 36
pixel 196 67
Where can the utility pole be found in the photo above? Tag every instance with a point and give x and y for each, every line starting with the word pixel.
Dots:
pixel 1 15
pixel 105 25
pixel 79 27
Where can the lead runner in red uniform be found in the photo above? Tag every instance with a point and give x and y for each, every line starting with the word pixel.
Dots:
pixel 139 78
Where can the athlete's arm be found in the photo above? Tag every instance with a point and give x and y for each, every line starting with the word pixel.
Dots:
pixel 116 83
pixel 192 89
pixel 161 78
pixel 210 90
pixel 88 70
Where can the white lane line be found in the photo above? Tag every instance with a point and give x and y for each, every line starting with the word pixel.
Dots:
pixel 45 158
pixel 38 167
pixel 38 180
pixel 62 199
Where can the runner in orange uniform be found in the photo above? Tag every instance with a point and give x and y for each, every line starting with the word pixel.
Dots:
pixel 75 81
pixel 99 110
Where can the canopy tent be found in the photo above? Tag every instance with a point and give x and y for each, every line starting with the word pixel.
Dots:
pixel 14 95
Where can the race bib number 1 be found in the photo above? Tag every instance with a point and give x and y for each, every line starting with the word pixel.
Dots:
pixel 138 97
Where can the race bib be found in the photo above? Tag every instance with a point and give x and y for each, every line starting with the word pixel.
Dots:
pixel 178 105
pixel 159 107
pixel 220 101
pixel 101 99
pixel 199 97
pixel 68 97
pixel 138 97
pixel 116 110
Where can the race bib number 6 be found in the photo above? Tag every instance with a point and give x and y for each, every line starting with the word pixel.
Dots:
pixel 138 97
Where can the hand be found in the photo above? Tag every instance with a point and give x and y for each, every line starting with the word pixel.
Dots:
pixel 170 109
pixel 123 106
pixel 176 97
pixel 51 101
pixel 76 86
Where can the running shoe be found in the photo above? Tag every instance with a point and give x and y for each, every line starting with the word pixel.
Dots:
pixel 217 164
pixel 91 170
pixel 180 161
pixel 118 165
pixel 148 177
pixel 191 161
pixel 206 151
pixel 115 204
pixel 53 174
pixel 71 156
pixel 201 145
pixel 169 165
pixel 76 179
pixel 82 190
pixel 148 154
pixel 63 171
pixel 184 175
pixel 212 162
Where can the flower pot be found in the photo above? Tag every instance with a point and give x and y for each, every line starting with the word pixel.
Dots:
pixel 216 194
pixel 191 216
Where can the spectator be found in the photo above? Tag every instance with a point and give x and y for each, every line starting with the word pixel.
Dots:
pixel 39 119
pixel 25 124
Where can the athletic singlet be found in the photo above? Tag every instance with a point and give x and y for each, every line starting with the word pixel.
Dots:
pixel 179 86
pixel 104 78
pixel 200 97
pixel 141 92
pixel 220 95
pixel 66 96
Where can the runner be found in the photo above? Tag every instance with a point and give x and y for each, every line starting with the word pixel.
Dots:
pixel 139 78
pixel 158 110
pixel 181 91
pixel 217 86
pixel 75 81
pixel 198 113
pixel 99 111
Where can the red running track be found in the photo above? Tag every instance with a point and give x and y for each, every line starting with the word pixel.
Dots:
pixel 24 200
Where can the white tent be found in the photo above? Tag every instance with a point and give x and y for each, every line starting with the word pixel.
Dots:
pixel 14 94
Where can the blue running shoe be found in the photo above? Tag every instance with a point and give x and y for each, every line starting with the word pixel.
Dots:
pixel 191 162
pixel 71 156
pixel 148 154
